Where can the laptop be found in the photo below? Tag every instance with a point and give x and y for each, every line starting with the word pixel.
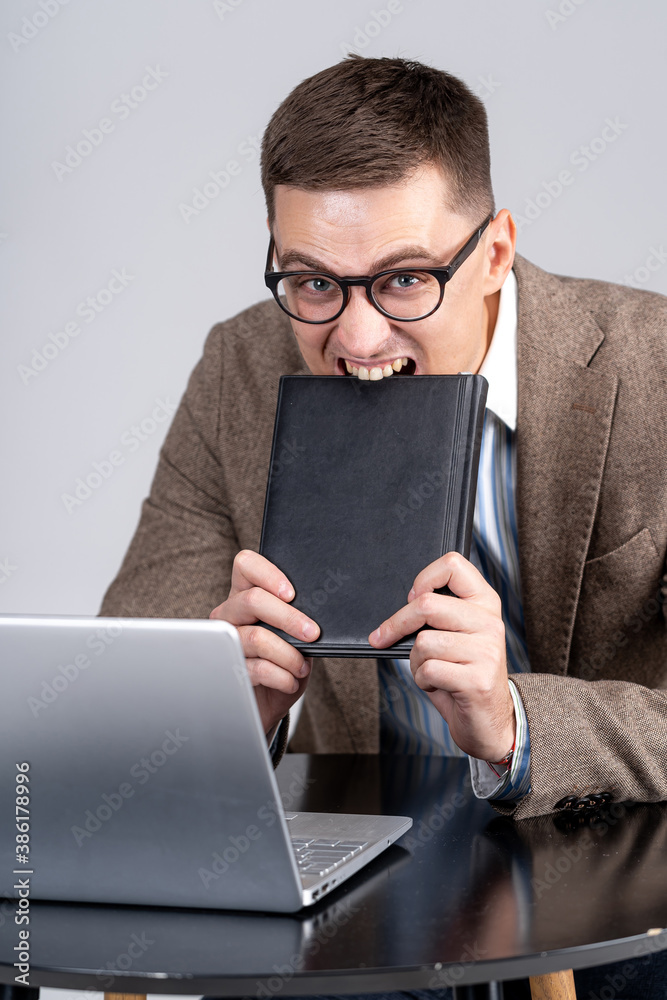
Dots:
pixel 133 750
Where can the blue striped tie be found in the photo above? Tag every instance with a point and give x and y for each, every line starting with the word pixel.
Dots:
pixel 409 722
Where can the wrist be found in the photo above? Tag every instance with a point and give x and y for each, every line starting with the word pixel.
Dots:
pixel 503 764
pixel 271 732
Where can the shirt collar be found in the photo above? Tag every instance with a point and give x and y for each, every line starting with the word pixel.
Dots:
pixel 499 365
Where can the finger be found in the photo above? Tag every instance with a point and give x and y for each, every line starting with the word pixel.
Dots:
pixel 266 645
pixel 250 569
pixel 459 648
pixel 444 661
pixel 438 675
pixel 437 610
pixel 461 679
pixel 269 675
pixel 249 606
pixel 463 579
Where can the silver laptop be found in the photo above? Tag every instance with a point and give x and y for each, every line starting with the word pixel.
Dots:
pixel 134 761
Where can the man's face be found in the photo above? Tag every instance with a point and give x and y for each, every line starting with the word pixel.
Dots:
pixel 361 232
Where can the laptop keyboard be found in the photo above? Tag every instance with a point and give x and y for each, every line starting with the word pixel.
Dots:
pixel 319 857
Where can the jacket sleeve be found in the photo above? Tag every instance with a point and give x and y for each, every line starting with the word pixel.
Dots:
pixel 614 740
pixel 180 559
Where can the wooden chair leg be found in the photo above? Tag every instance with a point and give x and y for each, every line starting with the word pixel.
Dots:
pixel 553 986
pixel 124 996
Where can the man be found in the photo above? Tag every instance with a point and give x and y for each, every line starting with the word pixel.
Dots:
pixel 383 166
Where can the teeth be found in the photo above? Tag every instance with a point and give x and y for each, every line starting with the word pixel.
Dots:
pixel 376 372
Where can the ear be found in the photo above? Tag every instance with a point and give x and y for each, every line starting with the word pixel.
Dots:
pixel 268 224
pixel 500 249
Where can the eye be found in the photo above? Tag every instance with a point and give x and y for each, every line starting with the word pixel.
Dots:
pixel 403 281
pixel 317 284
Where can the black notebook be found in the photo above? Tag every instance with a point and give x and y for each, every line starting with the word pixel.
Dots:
pixel 369 483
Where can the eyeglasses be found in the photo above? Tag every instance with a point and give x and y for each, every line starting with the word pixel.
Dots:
pixel 405 295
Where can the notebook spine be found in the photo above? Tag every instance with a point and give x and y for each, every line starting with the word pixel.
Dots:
pixel 274 441
pixel 478 391
pixel 453 494
pixel 460 507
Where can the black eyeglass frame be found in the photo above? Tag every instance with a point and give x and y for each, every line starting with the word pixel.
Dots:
pixel 442 274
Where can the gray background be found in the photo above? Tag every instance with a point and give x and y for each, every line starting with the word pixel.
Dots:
pixel 550 74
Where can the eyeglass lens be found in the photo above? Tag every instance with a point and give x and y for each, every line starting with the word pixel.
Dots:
pixel 405 295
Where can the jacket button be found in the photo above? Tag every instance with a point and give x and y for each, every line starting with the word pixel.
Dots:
pixel 566 802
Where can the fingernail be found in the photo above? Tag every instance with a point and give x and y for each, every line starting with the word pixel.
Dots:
pixel 310 630
pixel 411 594
pixel 304 668
pixel 286 591
pixel 374 636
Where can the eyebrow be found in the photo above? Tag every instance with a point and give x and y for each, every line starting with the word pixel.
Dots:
pixel 407 253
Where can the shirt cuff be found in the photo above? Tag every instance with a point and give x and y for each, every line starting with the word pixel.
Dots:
pixel 516 783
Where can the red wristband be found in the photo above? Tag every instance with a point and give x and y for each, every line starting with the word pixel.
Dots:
pixel 505 761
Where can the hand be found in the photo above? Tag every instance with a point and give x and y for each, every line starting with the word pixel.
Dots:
pixel 460 662
pixel 278 671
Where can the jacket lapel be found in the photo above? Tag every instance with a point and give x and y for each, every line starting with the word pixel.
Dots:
pixel 564 419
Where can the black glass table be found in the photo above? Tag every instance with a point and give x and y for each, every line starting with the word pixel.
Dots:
pixel 466 897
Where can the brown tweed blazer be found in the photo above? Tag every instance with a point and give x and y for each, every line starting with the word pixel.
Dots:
pixel 591 512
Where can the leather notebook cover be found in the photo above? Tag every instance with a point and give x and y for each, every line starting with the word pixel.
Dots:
pixel 369 482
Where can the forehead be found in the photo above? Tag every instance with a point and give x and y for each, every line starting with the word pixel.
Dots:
pixel 355 227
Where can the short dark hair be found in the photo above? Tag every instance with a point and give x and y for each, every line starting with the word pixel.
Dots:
pixel 368 122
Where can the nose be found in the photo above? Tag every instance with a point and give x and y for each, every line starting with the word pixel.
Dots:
pixel 362 330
